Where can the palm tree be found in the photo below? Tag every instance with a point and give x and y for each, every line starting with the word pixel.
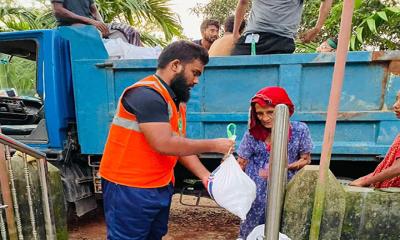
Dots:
pixel 138 13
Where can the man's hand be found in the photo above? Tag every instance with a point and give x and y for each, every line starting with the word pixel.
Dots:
pixel 310 35
pixel 204 180
pixel 324 10
pixel 101 26
pixel 193 164
pixel 224 145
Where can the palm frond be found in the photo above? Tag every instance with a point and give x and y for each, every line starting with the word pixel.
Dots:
pixel 18 18
pixel 139 13
pixel 150 40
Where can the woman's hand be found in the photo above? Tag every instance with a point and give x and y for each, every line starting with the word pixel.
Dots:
pixel 304 160
pixel 360 182
pixel 264 173
pixel 295 165
pixel 242 162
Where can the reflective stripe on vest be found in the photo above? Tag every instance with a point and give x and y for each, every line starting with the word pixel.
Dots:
pixel 126 123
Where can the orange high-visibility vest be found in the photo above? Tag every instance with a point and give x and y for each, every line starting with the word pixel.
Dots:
pixel 128 159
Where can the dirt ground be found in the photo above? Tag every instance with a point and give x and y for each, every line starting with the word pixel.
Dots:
pixel 186 222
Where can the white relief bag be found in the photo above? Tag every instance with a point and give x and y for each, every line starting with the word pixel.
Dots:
pixel 258 234
pixel 231 188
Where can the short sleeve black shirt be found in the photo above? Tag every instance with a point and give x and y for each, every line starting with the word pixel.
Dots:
pixel 147 104
pixel 79 7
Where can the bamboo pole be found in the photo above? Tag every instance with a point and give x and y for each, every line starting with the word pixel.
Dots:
pixel 333 108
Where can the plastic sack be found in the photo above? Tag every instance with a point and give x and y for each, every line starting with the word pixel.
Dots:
pixel 231 188
pixel 118 49
pixel 258 234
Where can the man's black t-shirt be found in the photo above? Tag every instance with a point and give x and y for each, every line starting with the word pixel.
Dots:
pixel 198 42
pixel 147 104
pixel 79 7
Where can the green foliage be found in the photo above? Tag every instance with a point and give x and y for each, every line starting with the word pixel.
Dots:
pixel 153 18
pixel 215 9
pixel 306 47
pixel 375 23
pixel 18 18
pixel 137 13
pixel 379 29
pixel 19 74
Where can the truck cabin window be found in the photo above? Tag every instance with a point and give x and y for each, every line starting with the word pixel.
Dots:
pixel 21 108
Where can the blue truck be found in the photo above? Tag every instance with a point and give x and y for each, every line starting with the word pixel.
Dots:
pixel 77 88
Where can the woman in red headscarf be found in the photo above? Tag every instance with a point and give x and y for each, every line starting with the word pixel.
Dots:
pixel 254 149
pixel 387 173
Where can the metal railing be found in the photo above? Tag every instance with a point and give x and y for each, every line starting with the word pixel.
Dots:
pixel 11 226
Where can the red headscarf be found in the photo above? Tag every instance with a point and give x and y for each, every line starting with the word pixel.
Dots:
pixel 267 96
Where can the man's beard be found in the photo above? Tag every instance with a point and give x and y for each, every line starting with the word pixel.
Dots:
pixel 211 39
pixel 181 88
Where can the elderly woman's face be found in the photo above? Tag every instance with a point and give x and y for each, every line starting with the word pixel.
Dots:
pixel 265 115
pixel 396 105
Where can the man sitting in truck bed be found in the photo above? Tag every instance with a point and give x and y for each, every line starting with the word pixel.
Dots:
pixel 71 12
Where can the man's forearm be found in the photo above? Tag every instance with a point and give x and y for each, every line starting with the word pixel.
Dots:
pixel 239 15
pixel 179 146
pixel 161 139
pixel 95 13
pixel 324 10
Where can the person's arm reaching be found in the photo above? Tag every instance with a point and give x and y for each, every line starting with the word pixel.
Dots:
pixel 61 12
pixel 324 10
pixel 239 16
pixel 159 136
pixel 390 172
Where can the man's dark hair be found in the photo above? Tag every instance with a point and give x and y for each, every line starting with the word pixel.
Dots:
pixel 208 22
pixel 184 51
pixel 230 22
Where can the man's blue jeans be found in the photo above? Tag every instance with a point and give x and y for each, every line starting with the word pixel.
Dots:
pixel 136 213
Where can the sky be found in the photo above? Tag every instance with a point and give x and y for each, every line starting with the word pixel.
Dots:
pixel 190 22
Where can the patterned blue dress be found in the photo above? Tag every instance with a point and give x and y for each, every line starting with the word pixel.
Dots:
pixel 256 153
